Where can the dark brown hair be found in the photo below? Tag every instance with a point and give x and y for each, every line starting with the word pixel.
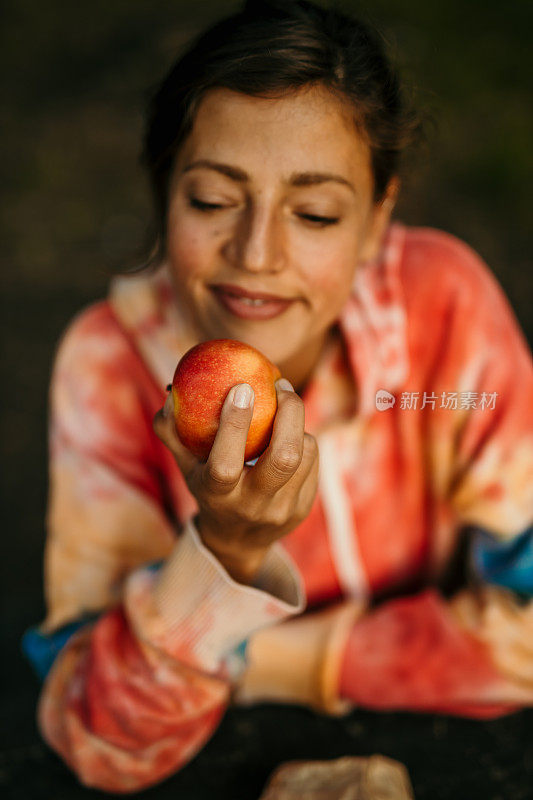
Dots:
pixel 269 48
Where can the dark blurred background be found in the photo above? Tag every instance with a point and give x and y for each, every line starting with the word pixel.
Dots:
pixel 76 207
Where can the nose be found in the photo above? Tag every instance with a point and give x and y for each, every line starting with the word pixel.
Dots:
pixel 257 242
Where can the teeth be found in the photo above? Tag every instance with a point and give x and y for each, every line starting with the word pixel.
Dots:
pixel 248 301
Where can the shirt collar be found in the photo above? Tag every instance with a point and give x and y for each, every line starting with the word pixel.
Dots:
pixel 374 323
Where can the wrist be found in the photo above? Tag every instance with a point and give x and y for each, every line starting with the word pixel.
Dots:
pixel 299 660
pixel 241 565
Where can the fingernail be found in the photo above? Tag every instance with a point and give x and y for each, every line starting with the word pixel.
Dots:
pixel 169 405
pixel 284 384
pixel 242 396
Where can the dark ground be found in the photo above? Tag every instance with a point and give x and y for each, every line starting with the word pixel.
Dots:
pixel 75 208
pixel 446 757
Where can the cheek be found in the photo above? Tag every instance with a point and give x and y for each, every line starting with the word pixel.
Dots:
pixel 329 272
pixel 189 250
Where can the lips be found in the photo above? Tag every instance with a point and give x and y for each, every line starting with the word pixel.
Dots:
pixel 248 305
pixel 238 291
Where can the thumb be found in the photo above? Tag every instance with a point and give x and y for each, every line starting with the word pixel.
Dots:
pixel 165 429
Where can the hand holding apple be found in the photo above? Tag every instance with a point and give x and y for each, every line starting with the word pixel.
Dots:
pixel 244 509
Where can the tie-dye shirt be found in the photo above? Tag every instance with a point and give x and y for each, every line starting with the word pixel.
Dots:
pixel 422 406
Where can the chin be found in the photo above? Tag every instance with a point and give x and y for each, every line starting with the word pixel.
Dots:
pixel 274 338
pixel 278 350
pixel 278 354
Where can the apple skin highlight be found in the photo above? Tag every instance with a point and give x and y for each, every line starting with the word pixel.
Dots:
pixel 201 381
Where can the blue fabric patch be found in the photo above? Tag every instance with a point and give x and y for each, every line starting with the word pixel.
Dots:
pixel 235 661
pixel 240 650
pixel 41 650
pixel 508 564
pixel 153 566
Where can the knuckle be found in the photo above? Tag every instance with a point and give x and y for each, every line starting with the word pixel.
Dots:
pixel 286 460
pixel 278 516
pixel 219 476
pixel 251 515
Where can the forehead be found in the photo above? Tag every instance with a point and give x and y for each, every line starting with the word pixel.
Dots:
pixel 309 130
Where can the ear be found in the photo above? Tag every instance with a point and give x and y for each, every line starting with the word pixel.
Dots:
pixel 379 220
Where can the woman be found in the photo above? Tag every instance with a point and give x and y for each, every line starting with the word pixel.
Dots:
pixel 394 499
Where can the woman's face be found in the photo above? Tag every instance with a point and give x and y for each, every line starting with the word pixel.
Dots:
pixel 271 196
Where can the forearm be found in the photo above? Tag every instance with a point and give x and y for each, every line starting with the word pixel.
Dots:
pixel 133 697
pixel 123 719
pixel 420 653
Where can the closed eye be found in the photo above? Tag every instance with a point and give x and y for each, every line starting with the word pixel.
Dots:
pixel 319 221
pixel 201 206
pixel 314 219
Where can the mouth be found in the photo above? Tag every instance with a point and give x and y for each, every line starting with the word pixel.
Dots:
pixel 250 305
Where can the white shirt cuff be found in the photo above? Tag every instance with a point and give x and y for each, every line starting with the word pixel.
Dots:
pixel 203 614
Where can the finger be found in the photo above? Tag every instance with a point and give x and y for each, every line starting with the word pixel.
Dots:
pixel 294 500
pixel 308 490
pixel 224 466
pixel 308 464
pixel 284 454
pixel 165 429
pixel 309 458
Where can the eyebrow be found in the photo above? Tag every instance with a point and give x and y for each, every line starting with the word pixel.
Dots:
pixel 296 179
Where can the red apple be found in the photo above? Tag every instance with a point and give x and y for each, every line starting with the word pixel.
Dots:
pixel 201 382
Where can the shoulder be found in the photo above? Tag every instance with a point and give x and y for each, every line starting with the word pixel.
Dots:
pixel 446 284
pixel 457 314
pixel 94 332
pixel 436 260
pixel 99 389
pixel 95 346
